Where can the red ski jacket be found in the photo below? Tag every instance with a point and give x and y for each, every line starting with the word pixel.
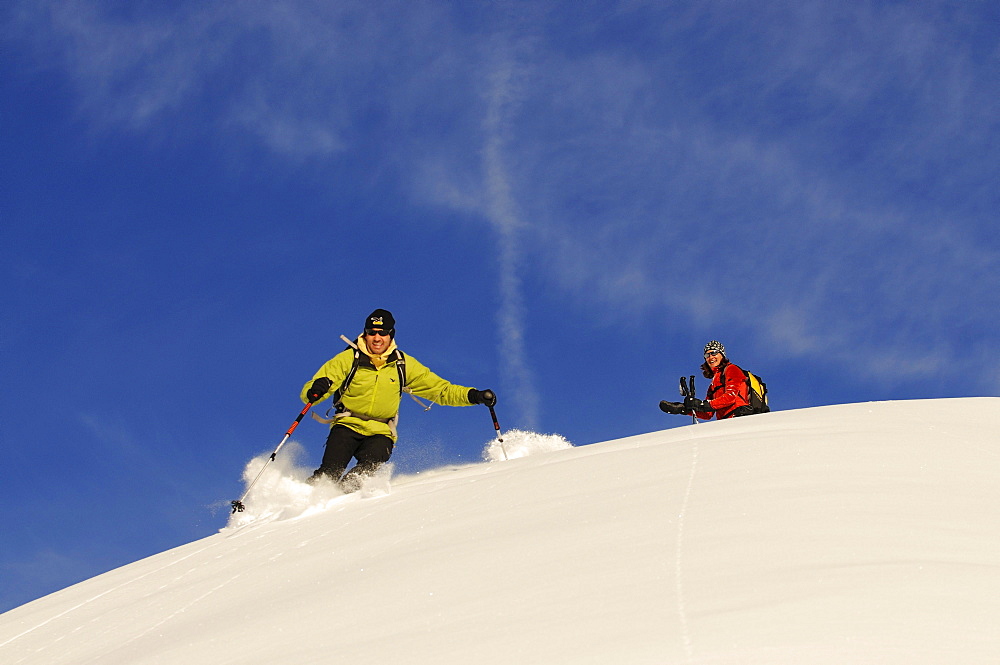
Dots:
pixel 728 399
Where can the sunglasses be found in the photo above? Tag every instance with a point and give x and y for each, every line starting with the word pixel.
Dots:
pixel 382 333
pixel 713 353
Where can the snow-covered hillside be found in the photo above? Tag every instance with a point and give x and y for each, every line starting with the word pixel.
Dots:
pixel 864 533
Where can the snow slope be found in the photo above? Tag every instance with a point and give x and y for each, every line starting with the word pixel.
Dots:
pixel 863 533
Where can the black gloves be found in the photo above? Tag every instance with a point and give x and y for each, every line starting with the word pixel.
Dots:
pixel 690 404
pixel 320 387
pixel 487 397
pixel 695 404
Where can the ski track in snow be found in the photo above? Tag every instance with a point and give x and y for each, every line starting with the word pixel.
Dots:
pixel 101 595
pixel 182 609
pixel 679 555
pixel 153 627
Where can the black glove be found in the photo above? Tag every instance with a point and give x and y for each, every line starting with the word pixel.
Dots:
pixel 487 397
pixel 695 404
pixel 675 408
pixel 320 387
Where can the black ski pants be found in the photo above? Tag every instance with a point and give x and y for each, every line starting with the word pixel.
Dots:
pixel 371 452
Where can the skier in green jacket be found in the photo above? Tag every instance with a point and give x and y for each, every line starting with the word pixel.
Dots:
pixel 364 426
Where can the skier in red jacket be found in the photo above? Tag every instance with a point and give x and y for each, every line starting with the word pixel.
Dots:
pixel 727 396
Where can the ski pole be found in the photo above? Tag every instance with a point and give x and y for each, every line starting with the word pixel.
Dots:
pixel 237 505
pixel 688 392
pixel 694 395
pixel 496 425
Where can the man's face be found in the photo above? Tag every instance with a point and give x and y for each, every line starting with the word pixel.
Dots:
pixel 713 358
pixel 377 340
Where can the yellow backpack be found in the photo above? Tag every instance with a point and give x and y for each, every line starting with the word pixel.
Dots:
pixel 756 390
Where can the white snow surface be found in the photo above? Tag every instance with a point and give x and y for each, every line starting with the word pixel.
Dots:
pixel 861 533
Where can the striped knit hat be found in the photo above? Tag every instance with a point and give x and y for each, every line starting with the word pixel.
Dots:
pixel 715 345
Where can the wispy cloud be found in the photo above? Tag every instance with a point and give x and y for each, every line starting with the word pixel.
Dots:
pixel 296 76
pixel 501 209
pixel 826 170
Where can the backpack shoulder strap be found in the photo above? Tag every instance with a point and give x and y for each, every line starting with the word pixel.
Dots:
pixel 347 379
pixel 722 382
pixel 401 368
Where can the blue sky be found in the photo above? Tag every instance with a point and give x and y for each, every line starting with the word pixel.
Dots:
pixel 562 201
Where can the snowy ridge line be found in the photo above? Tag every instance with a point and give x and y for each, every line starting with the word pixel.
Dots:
pixel 283 492
pixel 855 534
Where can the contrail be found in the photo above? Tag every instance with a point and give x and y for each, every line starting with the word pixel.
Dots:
pixel 502 213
